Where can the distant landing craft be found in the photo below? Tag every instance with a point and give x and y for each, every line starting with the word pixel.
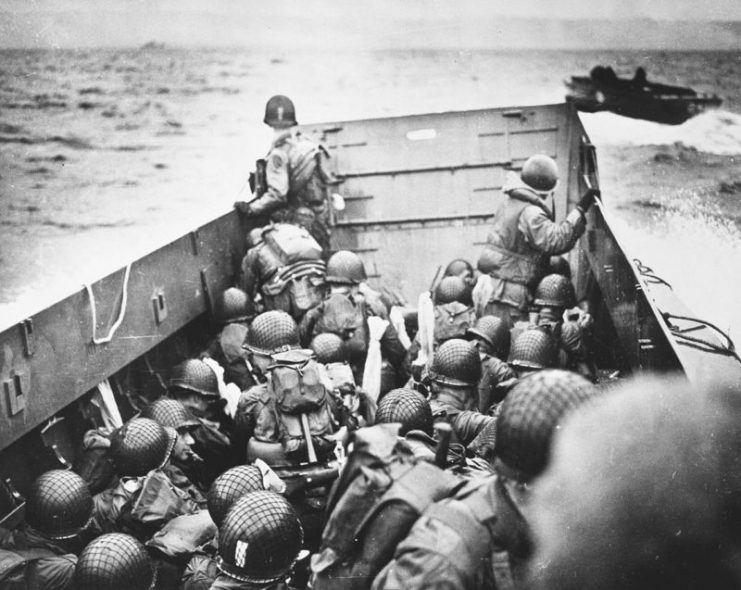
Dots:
pixel 638 98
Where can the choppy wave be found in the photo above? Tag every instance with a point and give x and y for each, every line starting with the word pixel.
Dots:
pixel 713 132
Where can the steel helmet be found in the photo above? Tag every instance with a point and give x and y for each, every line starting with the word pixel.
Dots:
pixel 456 363
pixel 195 375
pixel 229 486
pixel 555 291
pixel 451 289
pixel 260 538
pixel 271 332
pixel 408 407
pixel 170 412
pixel 345 268
pixel 141 445
pixel 560 266
pixel 329 348
pixel 458 267
pixel 59 504
pixel 530 414
pixel 533 349
pixel 233 306
pixel 280 112
pixel 494 331
pixel 114 561
pixel 540 173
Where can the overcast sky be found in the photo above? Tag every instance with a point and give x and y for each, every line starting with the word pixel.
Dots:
pixel 90 23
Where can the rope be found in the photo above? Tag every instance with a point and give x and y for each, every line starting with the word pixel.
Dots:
pixel 122 311
pixel 729 349
pixel 648 273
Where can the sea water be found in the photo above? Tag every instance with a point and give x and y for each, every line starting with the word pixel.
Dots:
pixel 106 154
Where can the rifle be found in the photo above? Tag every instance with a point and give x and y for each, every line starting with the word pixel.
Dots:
pixel 251 370
pixel 307 478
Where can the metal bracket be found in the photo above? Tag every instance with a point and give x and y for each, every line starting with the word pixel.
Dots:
pixel 159 303
pixel 194 241
pixel 29 341
pixel 206 291
pixel 15 397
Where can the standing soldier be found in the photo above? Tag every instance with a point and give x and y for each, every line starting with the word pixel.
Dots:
pixel 523 238
pixel 294 173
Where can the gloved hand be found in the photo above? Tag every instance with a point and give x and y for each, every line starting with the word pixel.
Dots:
pixel 242 207
pixel 587 199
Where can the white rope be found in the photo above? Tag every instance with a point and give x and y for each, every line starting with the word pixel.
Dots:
pixel 121 313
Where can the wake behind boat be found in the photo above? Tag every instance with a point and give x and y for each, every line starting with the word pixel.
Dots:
pixel 636 97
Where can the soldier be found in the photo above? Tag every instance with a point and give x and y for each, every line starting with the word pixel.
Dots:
pixel 195 385
pixel 643 492
pixel 234 311
pixel 492 340
pixel 462 269
pixel 410 409
pixel 523 238
pixel 553 296
pixel 202 568
pixel 115 562
pixel 259 542
pixel 454 373
pixel 295 173
pixel 285 269
pixel 330 350
pixel 145 497
pixel 533 350
pixel 184 462
pixel 480 538
pixel 59 513
pixel 345 313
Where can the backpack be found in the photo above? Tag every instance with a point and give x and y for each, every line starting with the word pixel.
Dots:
pixel 292 243
pixel 452 320
pixel 296 383
pixel 380 494
pixel 341 316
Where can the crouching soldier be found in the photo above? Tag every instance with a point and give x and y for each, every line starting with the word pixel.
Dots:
pixel 43 552
pixel 145 498
pixel 185 464
pixel 293 419
pixel 259 541
pixel 491 336
pixel 203 569
pixel 454 375
pixel 357 408
pixel 233 312
pixel 480 538
pixel 345 313
pixel 115 561
pixel 553 296
pixel 195 385
pixel 285 269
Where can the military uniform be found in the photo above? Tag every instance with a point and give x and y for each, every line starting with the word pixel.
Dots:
pixel 48 566
pixel 468 543
pixel 518 250
pixel 496 379
pixel 347 316
pixel 457 407
pixel 295 177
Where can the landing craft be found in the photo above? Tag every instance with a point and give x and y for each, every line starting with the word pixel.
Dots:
pixel 419 191
pixel 638 98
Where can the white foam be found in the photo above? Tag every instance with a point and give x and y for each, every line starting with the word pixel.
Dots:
pixel 714 131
